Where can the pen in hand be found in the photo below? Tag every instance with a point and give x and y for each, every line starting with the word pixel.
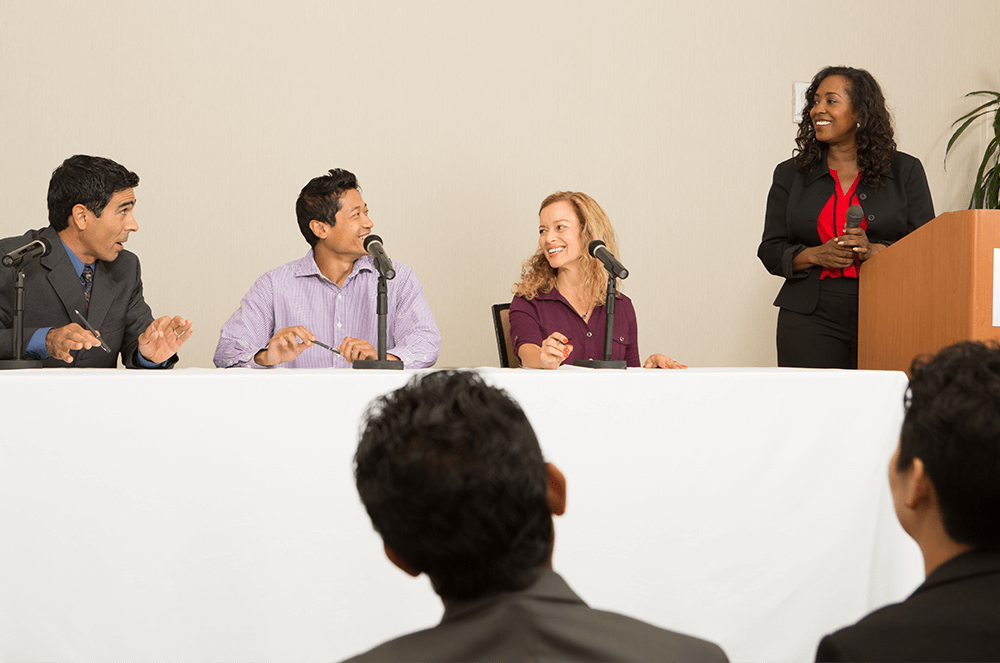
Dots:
pixel 324 345
pixel 92 331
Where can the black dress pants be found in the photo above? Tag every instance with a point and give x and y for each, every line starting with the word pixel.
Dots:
pixel 827 337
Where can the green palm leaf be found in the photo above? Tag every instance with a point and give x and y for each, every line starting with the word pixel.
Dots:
pixel 986 191
pixel 992 189
pixel 965 126
pixel 979 191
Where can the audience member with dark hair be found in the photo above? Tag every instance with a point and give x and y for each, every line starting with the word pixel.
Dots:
pixel 329 296
pixel 945 482
pixel 87 269
pixel 846 156
pixel 454 481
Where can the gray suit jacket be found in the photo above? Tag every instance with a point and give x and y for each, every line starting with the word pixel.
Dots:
pixel 52 291
pixel 545 622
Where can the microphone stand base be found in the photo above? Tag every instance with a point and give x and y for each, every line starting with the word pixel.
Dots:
pixel 384 364
pixel 13 364
pixel 601 363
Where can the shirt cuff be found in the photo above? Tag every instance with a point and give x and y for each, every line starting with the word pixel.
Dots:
pixel 36 344
pixel 253 361
pixel 145 363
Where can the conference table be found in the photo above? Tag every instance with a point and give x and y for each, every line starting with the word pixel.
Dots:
pixel 211 515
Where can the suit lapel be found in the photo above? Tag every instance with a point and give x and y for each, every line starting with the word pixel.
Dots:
pixel 62 277
pixel 102 295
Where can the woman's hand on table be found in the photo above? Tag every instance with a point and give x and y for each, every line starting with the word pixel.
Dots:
pixel 662 361
pixel 555 350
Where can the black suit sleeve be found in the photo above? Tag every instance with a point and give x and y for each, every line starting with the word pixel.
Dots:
pixel 920 207
pixel 138 317
pixel 829 651
pixel 776 251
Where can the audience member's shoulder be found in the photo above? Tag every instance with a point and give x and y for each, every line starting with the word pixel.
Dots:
pixel 613 637
pixel 875 637
pixel 404 648
pixel 947 619
pixel 638 640
pixel 546 621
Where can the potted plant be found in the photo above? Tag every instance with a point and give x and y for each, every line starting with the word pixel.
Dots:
pixel 987 189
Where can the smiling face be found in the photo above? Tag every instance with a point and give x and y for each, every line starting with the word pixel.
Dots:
pixel 559 234
pixel 345 238
pixel 103 237
pixel 833 116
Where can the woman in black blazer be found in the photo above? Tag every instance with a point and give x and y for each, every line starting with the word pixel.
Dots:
pixel 846 155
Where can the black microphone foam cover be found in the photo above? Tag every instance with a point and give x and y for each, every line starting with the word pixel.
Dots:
pixel 854 216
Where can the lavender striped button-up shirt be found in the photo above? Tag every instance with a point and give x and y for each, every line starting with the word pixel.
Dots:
pixel 298 294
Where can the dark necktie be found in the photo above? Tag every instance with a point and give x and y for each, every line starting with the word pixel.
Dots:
pixel 88 282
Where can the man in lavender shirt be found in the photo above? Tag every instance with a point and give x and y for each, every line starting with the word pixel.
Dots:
pixel 329 295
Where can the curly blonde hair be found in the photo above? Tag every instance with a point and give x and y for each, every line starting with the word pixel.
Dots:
pixel 536 274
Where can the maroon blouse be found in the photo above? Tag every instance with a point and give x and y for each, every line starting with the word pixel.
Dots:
pixel 533 321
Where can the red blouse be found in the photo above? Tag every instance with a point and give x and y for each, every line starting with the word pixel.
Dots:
pixel 831 222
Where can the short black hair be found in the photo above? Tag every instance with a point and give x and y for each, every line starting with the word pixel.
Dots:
pixel 451 474
pixel 88 181
pixel 952 424
pixel 320 200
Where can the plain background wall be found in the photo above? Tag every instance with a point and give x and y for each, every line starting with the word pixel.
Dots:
pixel 459 117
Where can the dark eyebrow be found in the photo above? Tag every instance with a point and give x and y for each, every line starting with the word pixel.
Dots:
pixel 127 203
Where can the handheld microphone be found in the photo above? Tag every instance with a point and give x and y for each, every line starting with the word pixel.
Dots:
pixel 373 245
pixel 36 249
pixel 854 217
pixel 600 251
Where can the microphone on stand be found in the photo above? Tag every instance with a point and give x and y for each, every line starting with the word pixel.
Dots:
pixel 600 251
pixel 25 254
pixel 373 245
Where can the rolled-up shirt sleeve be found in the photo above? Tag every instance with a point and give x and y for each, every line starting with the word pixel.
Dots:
pixel 249 329
pixel 416 339
pixel 525 325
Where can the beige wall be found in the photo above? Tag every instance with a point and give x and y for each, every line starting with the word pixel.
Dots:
pixel 458 118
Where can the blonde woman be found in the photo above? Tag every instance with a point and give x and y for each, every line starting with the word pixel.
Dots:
pixel 557 314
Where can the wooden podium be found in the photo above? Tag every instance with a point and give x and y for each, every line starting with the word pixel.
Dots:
pixel 930 289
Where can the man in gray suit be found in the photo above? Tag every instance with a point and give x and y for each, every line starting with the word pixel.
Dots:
pixel 945 483
pixel 87 277
pixel 453 479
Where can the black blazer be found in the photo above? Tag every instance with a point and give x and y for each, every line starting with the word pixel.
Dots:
pixel 901 205
pixel 52 290
pixel 953 616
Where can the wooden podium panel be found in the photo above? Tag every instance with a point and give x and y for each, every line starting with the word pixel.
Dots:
pixel 932 288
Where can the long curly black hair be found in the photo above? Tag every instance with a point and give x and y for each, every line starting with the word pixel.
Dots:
pixel 874 138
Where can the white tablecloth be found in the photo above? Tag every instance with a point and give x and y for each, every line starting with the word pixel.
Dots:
pixel 208 515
